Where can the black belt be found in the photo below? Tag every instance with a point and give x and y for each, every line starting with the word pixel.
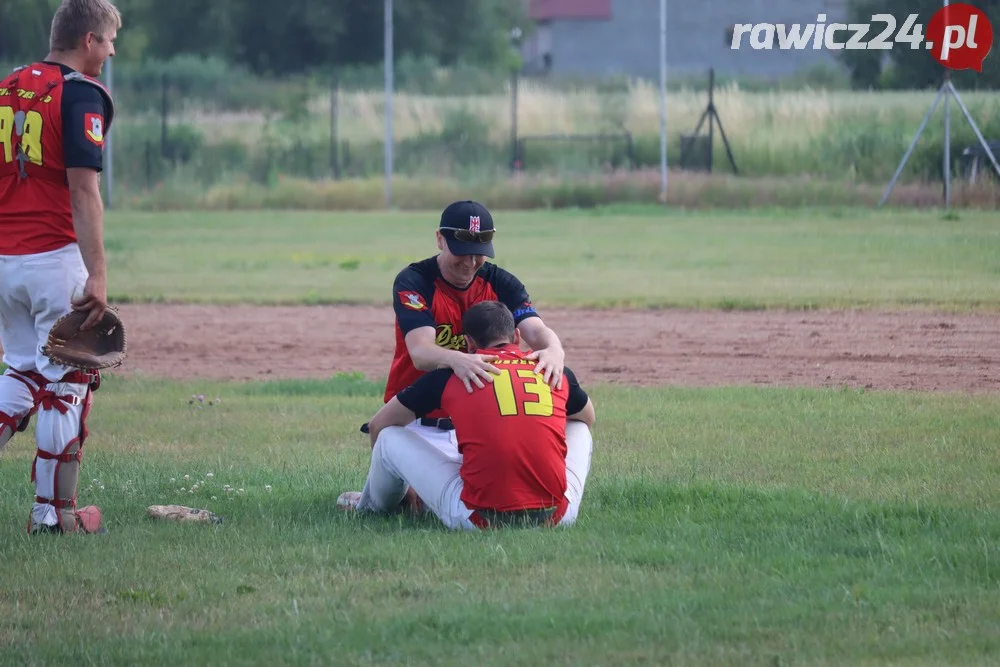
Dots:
pixel 515 518
pixel 444 423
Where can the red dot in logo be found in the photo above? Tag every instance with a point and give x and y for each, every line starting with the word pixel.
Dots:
pixel 960 36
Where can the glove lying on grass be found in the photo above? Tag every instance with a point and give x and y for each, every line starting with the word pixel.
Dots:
pixel 183 513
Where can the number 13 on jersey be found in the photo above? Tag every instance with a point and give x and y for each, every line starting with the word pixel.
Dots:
pixel 507 399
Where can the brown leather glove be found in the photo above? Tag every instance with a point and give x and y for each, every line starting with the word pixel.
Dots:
pixel 102 346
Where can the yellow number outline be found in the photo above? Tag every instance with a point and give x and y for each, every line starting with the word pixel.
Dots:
pixel 31 138
pixel 503 388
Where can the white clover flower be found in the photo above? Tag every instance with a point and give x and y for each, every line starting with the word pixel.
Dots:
pixel 187 477
pixel 268 488
pixel 214 498
pixel 241 492
pixel 102 487
pixel 183 489
pixel 209 475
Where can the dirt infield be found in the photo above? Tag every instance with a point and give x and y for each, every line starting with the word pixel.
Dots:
pixel 926 352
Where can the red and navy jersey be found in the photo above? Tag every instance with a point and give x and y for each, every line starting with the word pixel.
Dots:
pixel 423 298
pixel 65 122
pixel 511 433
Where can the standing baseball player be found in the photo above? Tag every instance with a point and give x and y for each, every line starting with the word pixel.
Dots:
pixel 54 118
pixel 525 447
pixel 431 296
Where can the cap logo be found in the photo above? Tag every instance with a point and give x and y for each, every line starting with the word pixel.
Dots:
pixel 474 224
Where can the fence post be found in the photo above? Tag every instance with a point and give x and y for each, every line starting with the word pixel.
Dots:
pixel 514 163
pixel 334 117
pixel 164 110
pixel 149 164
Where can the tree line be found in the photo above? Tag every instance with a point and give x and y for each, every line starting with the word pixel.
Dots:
pixel 290 36
pixel 302 36
pixel 902 67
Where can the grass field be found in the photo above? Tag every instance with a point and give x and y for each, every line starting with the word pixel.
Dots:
pixel 723 526
pixel 720 527
pixel 623 256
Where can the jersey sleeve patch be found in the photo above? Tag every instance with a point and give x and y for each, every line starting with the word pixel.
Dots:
pixel 524 310
pixel 93 128
pixel 412 300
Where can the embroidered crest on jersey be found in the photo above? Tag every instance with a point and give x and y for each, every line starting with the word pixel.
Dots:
pixel 412 300
pixel 93 127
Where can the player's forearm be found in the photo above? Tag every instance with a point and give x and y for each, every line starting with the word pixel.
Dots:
pixel 431 357
pixel 587 415
pixel 88 222
pixel 541 338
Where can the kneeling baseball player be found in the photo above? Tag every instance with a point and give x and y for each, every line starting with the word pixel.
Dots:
pixel 525 446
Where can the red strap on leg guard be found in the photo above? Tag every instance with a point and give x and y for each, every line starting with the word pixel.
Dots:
pixel 56 502
pixel 7 420
pixel 62 458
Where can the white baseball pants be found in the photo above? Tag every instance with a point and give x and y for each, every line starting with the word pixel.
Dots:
pixel 35 291
pixel 402 459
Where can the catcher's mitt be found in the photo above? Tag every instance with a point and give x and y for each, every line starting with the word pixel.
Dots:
pixel 182 513
pixel 102 346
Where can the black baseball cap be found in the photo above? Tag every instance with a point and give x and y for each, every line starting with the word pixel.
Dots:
pixel 468 228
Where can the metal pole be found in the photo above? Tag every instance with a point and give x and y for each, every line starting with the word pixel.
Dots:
pixel 334 139
pixel 975 128
pixel 108 155
pixel 947 143
pixel 913 144
pixel 663 100
pixel 388 103
pixel 164 112
pixel 513 121
pixel 947 127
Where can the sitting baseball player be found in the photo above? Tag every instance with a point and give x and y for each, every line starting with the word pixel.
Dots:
pixel 525 446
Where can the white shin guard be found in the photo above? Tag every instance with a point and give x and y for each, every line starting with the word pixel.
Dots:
pixel 60 432
pixel 17 401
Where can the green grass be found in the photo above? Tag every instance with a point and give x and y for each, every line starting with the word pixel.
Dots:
pixel 637 256
pixel 720 527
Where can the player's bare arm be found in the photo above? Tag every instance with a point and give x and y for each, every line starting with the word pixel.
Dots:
pixel 392 413
pixel 428 356
pixel 547 349
pixel 587 415
pixel 88 222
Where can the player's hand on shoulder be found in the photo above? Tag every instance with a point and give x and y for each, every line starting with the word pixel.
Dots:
pixel 551 362
pixel 474 368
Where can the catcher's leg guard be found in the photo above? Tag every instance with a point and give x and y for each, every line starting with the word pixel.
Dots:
pixel 18 392
pixel 61 432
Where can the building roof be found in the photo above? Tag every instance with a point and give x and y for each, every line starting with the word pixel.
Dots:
pixel 543 10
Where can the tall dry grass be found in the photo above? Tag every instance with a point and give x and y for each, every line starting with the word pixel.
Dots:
pixel 778 119
pixel 685 190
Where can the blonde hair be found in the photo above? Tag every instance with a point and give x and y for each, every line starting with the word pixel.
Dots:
pixel 75 18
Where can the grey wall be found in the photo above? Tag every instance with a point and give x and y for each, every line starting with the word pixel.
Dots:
pixel 696 38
